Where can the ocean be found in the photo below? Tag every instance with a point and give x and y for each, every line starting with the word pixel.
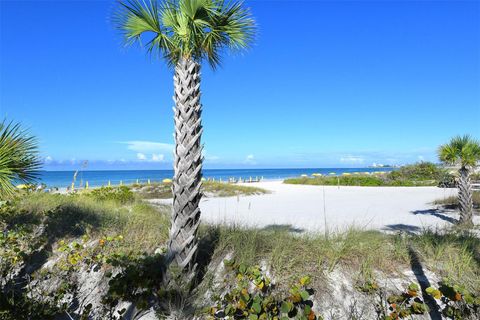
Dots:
pixel 62 179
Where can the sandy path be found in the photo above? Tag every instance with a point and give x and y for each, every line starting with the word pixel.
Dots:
pixel 302 207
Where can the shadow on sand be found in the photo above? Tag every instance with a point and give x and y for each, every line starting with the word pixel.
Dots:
pixel 407 228
pixel 424 283
pixel 439 213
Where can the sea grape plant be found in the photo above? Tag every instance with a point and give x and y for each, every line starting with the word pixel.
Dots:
pixel 457 302
pixel 251 297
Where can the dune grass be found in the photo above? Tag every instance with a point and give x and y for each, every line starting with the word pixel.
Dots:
pixel 452 201
pixel 71 216
pixel 210 189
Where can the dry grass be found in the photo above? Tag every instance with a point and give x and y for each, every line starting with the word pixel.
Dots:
pixel 452 201
pixel 69 216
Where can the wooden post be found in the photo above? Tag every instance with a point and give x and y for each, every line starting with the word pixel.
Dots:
pixel 86 185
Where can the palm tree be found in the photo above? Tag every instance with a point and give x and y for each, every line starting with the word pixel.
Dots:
pixel 462 151
pixel 186 33
pixel 18 158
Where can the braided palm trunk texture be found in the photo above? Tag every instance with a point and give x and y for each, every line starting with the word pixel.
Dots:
pixel 187 166
pixel 465 196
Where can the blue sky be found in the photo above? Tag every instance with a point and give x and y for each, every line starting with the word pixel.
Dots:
pixel 326 84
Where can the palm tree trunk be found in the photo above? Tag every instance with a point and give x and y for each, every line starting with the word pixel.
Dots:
pixel 465 197
pixel 187 166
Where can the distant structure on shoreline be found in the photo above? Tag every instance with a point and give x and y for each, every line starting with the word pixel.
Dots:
pixel 379 165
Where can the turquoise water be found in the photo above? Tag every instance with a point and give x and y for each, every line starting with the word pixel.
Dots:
pixel 63 179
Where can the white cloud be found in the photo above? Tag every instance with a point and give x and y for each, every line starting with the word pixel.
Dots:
pixel 141 156
pixel 158 157
pixel 421 158
pixel 250 159
pixel 148 146
pixel 48 159
pixel 352 159
pixel 209 157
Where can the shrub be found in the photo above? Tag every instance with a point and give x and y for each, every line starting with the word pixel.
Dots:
pixel 120 194
pixel 458 302
pixel 406 304
pixel 418 171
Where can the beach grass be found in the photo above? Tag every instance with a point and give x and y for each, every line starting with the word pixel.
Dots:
pixel 210 189
pixel 452 201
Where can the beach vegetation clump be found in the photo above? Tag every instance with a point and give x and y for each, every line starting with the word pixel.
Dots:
pixel 420 171
pixel 452 201
pixel 249 295
pixel 456 301
pixel 419 174
pixel 209 189
pixel 121 194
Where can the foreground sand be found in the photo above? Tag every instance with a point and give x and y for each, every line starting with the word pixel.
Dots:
pixel 311 208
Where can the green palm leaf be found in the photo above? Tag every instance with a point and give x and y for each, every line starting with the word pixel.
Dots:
pixel 461 150
pixel 18 157
pixel 191 29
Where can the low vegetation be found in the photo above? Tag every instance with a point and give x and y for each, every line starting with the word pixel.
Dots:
pixel 452 201
pixel 420 174
pixel 209 188
pixel 122 239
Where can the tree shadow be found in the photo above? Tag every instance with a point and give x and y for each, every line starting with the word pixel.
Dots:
pixel 206 248
pixel 282 227
pixel 436 213
pixel 424 283
pixel 407 228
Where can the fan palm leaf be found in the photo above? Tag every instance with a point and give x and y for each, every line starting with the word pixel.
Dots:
pixel 18 158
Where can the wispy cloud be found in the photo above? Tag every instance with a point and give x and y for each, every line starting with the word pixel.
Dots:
pixel 141 156
pixel 158 157
pixel 250 159
pixel 148 146
pixel 352 159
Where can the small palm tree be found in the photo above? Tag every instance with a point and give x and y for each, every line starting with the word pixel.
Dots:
pixel 462 151
pixel 18 158
pixel 186 33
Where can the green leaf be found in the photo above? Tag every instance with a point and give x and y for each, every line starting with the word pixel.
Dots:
pixel 256 307
pixel 305 281
pixel 305 295
pixel 286 307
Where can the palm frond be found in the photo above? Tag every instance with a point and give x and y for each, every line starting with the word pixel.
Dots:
pixel 461 150
pixel 18 157
pixel 191 29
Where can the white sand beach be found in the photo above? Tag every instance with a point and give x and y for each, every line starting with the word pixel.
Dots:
pixel 311 208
